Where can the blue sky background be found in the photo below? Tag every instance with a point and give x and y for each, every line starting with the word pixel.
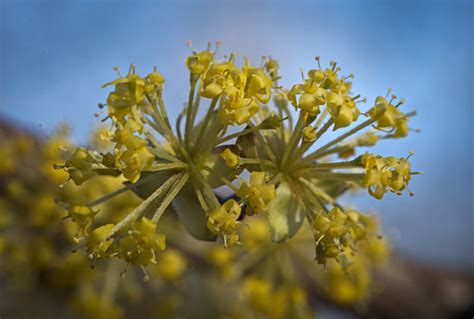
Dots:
pixel 56 54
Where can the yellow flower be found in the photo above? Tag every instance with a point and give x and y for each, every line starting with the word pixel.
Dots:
pixel 328 232
pixel 385 174
pixel 139 247
pixel 311 97
pixel 98 242
pixel 259 293
pixel 232 160
pixel 223 221
pixel 343 110
pixel 389 116
pixel 80 166
pixel 258 85
pixel 220 256
pixel 93 305
pixel 256 234
pixel 154 81
pixel 257 194
pixel 309 134
pixel 83 215
pixel 128 91
pixel 135 161
pixel 239 111
pixel 171 265
pixel 198 63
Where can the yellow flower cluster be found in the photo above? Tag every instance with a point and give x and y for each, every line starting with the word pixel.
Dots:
pixel 80 166
pixel 256 279
pixel 241 90
pixel 385 174
pixel 257 194
pixel 274 302
pixel 223 221
pixel 139 247
pixel 35 247
pixel 323 87
pixel 338 230
pixel 286 173
pixel 388 116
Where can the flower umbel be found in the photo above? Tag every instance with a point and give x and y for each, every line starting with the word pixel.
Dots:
pixel 292 175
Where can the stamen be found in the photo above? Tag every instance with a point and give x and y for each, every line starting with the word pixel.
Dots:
pixel 189 44
pixel 116 69
pixel 146 278
pixel 317 58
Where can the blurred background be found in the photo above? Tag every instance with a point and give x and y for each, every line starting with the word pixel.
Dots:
pixel 55 55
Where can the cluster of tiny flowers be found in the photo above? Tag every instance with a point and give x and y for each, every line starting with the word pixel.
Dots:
pixel 37 235
pixel 337 230
pixel 261 278
pixel 293 176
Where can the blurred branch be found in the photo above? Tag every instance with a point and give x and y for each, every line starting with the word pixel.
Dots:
pixel 406 288
pixel 415 290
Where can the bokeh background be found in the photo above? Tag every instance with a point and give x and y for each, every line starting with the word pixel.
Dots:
pixel 55 55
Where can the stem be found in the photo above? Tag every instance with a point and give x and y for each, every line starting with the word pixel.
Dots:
pixel 318 192
pixel 178 126
pixel 205 123
pixel 321 118
pixel 257 161
pixel 103 170
pixel 108 196
pixel 143 205
pixel 333 150
pixel 261 139
pixel 158 149
pixel 294 139
pixel 222 178
pixel 234 135
pixel 119 191
pixel 167 134
pixel 196 104
pixel 189 111
pixel 167 166
pixel 162 107
pixel 349 164
pixel 200 197
pixel 174 190
pixel 282 127
pixel 304 147
pixel 355 177
pixel 154 124
pixel 339 139
pixel 165 126
pixel 209 193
